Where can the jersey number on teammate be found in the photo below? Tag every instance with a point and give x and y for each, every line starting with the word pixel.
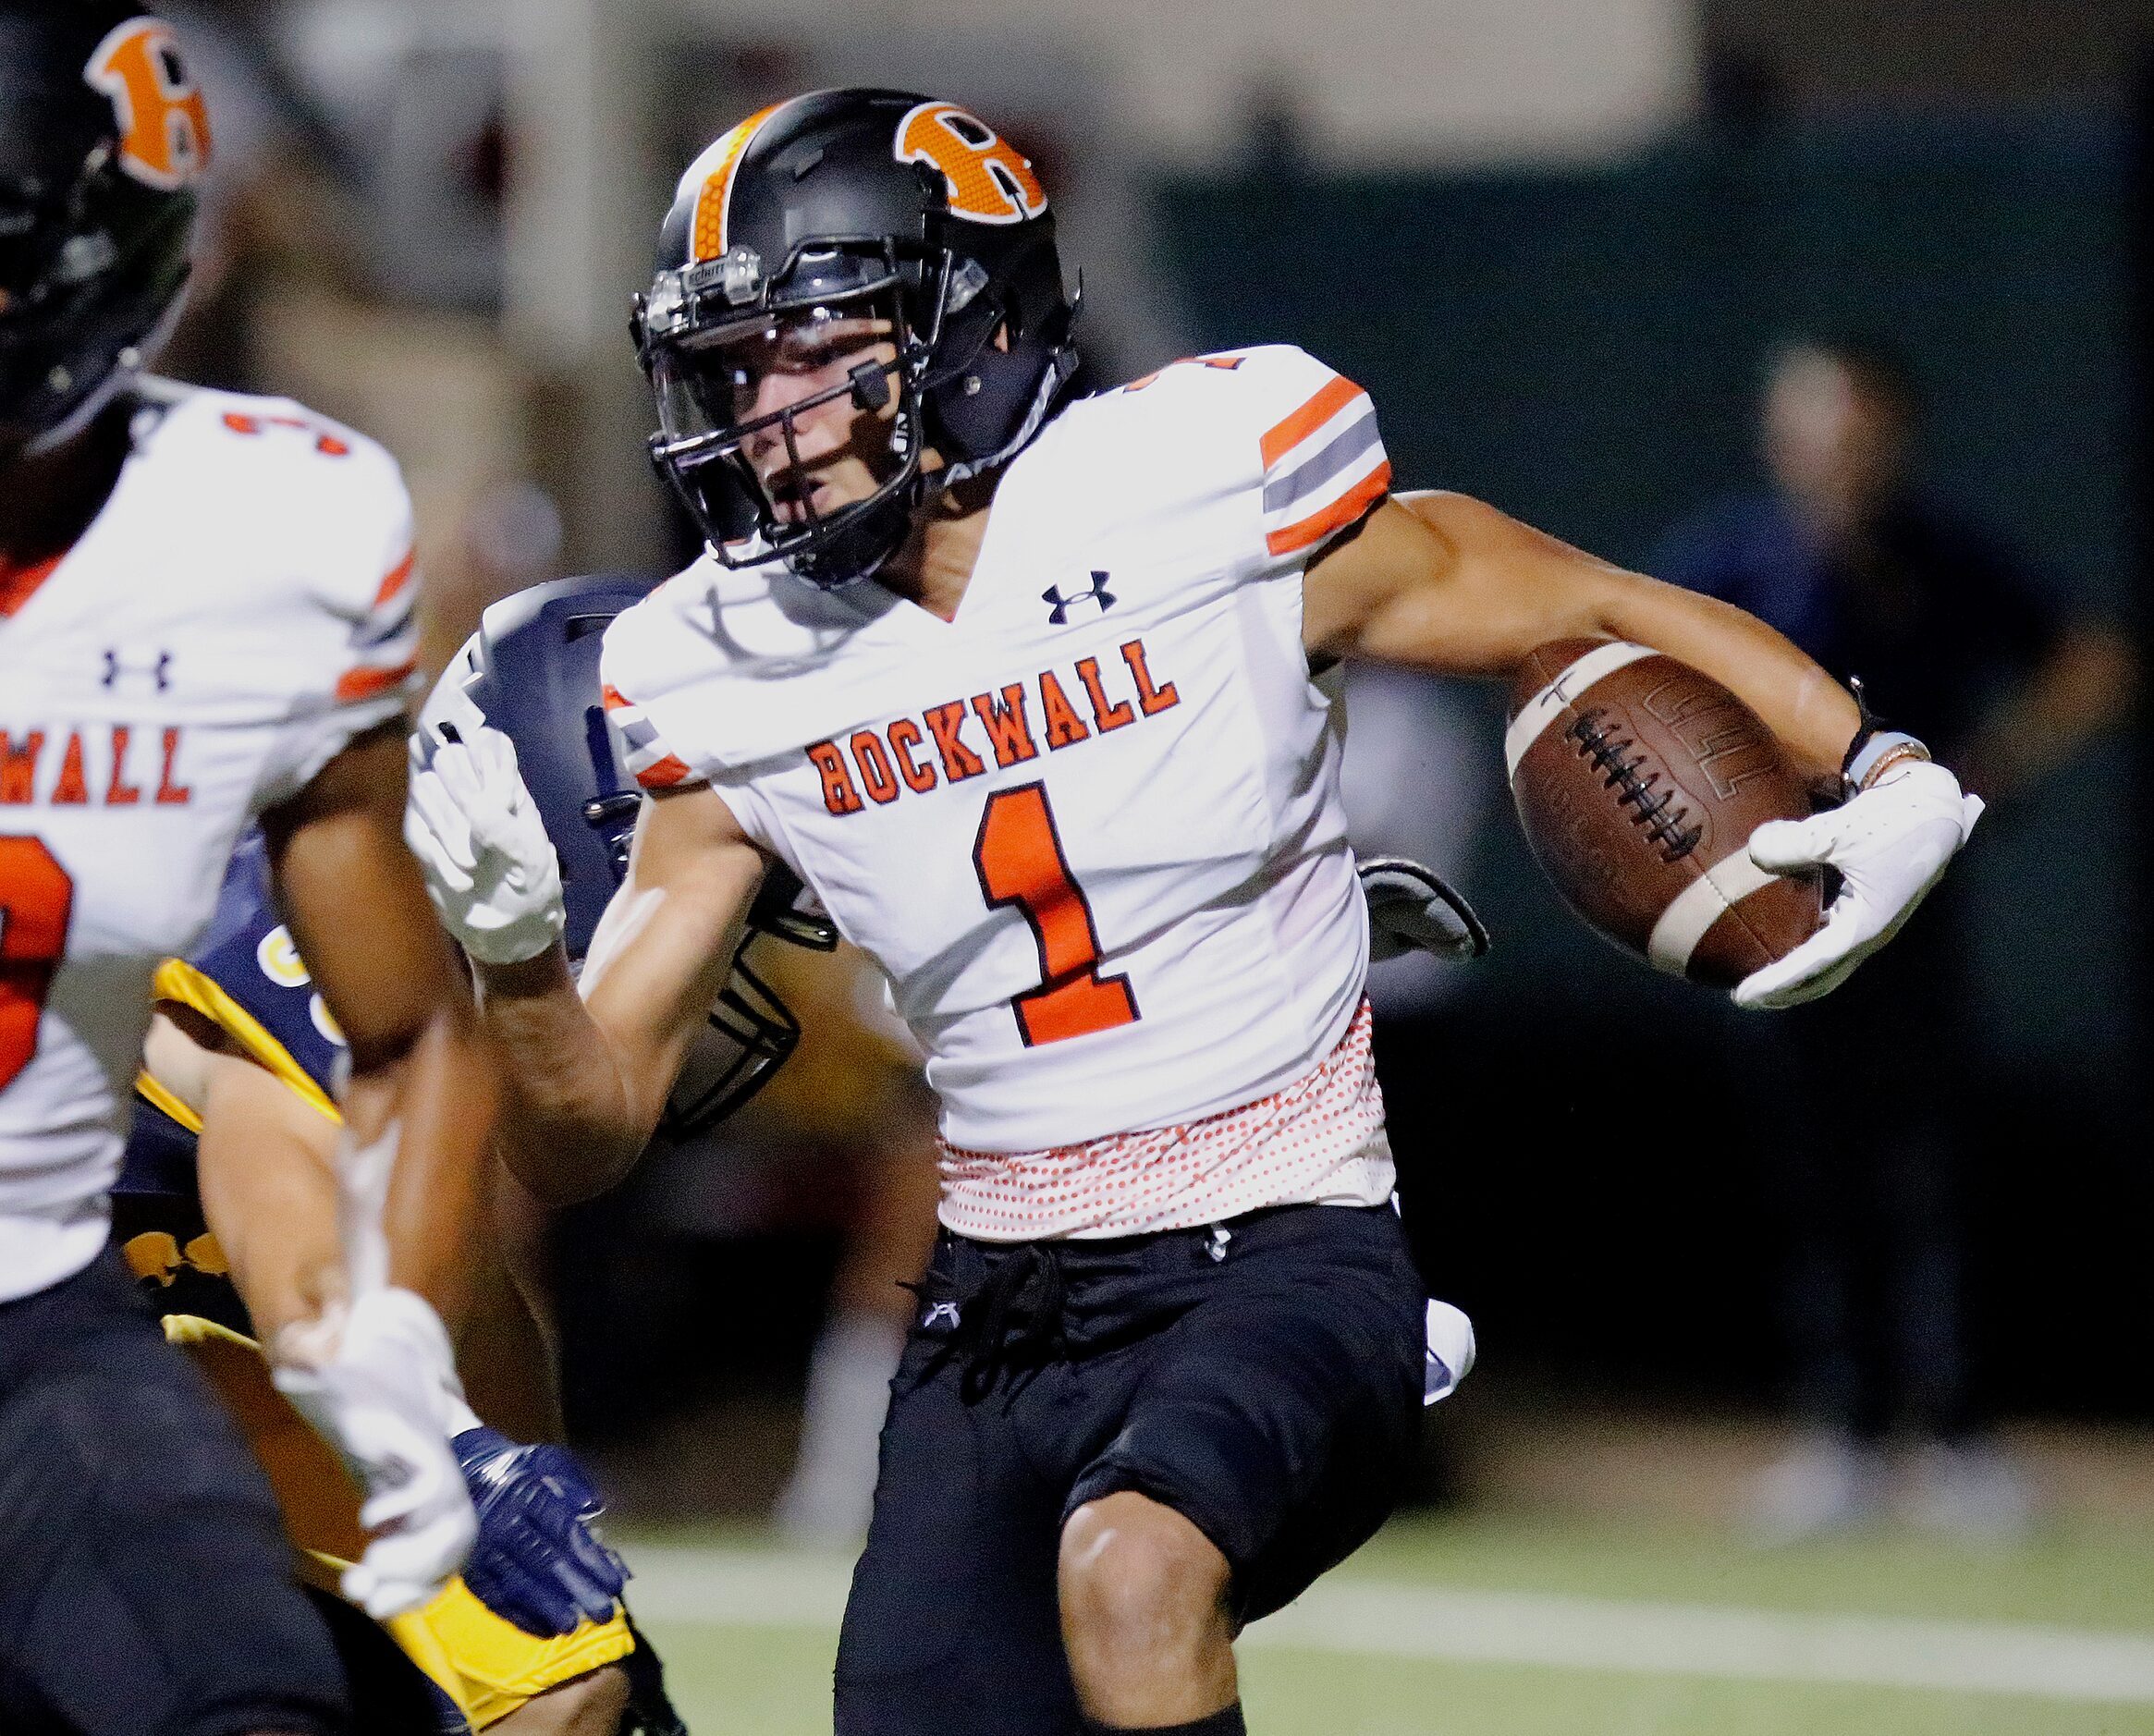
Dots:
pixel 1020 860
pixel 36 900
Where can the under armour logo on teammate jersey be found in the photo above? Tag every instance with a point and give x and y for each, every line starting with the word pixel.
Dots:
pixel 1060 606
pixel 941 1313
pixel 157 670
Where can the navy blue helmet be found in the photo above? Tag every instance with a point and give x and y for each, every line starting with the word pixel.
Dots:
pixel 532 672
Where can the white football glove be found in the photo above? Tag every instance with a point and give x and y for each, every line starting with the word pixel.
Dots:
pixel 383 1395
pixel 489 865
pixel 1889 844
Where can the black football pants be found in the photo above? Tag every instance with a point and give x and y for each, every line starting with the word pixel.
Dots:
pixel 146 1587
pixel 1264 1383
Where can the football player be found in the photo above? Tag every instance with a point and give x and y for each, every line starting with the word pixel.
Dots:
pixel 218 1211
pixel 1033 695
pixel 532 673
pixel 205 608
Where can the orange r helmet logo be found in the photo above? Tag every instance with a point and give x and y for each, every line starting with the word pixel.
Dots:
pixel 164 123
pixel 989 180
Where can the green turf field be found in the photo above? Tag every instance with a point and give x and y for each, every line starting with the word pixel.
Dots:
pixel 1504 1627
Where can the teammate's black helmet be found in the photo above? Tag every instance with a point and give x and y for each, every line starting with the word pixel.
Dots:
pixel 533 676
pixel 102 137
pixel 849 204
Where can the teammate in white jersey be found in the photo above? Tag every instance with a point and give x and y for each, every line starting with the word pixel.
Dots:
pixel 205 621
pixel 1033 695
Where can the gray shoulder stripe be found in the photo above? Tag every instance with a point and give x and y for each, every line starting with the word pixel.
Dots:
pixel 1347 446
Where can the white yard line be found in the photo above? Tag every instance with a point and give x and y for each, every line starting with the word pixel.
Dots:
pixel 1371 1618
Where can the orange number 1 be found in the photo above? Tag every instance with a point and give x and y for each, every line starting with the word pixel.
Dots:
pixel 1020 860
pixel 36 900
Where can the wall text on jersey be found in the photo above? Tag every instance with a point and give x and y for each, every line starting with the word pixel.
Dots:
pixel 110 766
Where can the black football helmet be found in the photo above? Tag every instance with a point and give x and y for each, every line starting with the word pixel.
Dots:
pixel 532 672
pixel 846 205
pixel 103 139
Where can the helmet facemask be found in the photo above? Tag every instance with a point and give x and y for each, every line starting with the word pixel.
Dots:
pixel 840 322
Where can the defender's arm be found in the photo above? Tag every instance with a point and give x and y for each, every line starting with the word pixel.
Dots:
pixel 266 1165
pixel 1443 582
pixel 266 1162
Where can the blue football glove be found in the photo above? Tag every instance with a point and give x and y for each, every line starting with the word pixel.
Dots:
pixel 537 1563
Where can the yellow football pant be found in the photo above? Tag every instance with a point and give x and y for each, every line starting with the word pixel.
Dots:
pixel 487 1665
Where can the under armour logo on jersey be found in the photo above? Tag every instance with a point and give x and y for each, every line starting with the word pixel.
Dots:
pixel 157 670
pixel 941 1313
pixel 1060 606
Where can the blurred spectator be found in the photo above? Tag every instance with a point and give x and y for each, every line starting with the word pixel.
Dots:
pixel 290 298
pixel 1871 1123
pixel 280 195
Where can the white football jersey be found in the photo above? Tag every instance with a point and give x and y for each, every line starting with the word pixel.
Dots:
pixel 1090 829
pixel 239 609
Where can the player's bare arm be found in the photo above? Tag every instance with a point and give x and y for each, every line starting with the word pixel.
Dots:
pixel 593 1061
pixel 1443 582
pixel 267 1164
pixel 373 1370
pixel 423 1071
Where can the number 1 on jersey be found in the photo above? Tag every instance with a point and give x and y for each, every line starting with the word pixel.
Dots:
pixel 36 900
pixel 1019 857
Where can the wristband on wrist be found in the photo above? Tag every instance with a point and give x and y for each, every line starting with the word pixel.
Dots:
pixel 1873 749
pixel 1865 724
pixel 1886 748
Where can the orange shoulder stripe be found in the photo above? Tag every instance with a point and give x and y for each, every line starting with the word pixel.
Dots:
pixel 399 576
pixel 364 683
pixel 611 695
pixel 1334 395
pixel 1337 516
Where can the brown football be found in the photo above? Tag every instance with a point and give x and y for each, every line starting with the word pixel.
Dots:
pixel 1639 781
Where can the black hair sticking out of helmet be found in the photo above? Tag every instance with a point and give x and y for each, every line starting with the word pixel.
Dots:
pixel 536 680
pixel 103 139
pixel 854 204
